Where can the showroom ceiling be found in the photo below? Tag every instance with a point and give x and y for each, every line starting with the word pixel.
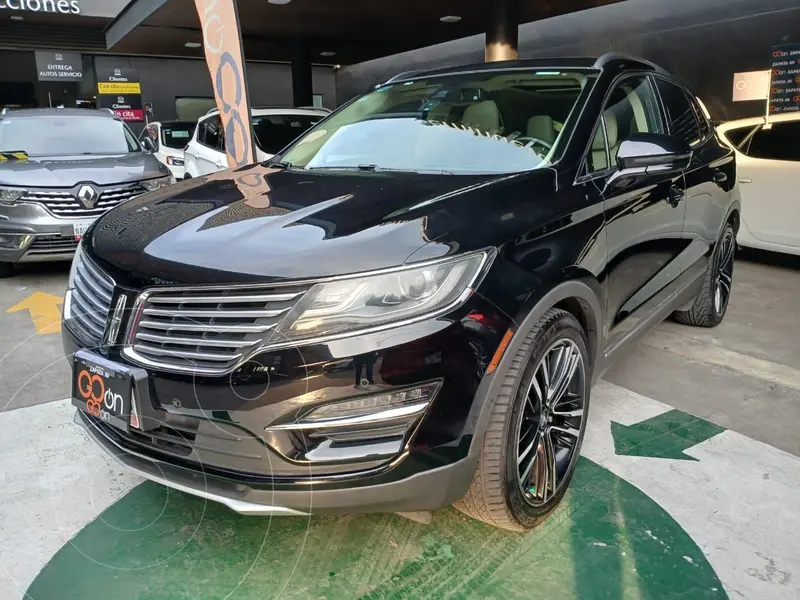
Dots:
pixel 354 30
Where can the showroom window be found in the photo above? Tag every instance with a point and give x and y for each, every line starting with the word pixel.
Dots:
pixel 780 142
pixel 680 114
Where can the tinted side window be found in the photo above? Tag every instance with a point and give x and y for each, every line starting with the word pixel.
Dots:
pixel 737 136
pixel 212 133
pixel 702 121
pixel 680 114
pixel 780 142
pixel 631 108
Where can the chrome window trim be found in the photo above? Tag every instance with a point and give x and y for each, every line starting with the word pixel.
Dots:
pixel 130 353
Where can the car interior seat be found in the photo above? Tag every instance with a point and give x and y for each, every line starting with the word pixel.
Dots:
pixel 542 128
pixel 484 116
pixel 598 147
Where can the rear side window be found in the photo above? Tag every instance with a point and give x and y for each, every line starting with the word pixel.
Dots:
pixel 681 117
pixel 737 136
pixel 210 134
pixel 780 142
pixel 705 126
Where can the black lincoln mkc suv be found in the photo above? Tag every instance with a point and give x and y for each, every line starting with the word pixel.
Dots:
pixel 406 308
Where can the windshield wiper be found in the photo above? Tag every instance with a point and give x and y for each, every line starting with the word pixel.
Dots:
pixel 281 164
pixel 375 168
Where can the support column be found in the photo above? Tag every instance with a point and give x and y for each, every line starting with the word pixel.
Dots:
pixel 502 30
pixel 302 85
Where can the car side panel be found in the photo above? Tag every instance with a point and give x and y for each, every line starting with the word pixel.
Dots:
pixel 645 245
pixel 710 179
pixel 769 200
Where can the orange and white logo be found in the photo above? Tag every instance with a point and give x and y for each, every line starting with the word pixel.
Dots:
pixel 93 389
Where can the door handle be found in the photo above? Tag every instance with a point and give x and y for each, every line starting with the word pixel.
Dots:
pixel 745 180
pixel 676 194
pixel 720 176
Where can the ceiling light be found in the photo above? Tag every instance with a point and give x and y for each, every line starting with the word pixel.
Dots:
pixel 279 1
pixel 193 44
pixel 16 18
pixel 450 19
pixel 327 53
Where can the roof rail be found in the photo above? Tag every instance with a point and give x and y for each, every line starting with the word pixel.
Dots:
pixel 609 57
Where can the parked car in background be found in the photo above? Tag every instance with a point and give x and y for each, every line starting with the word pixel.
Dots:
pixel 274 128
pixel 167 141
pixel 415 315
pixel 768 163
pixel 60 169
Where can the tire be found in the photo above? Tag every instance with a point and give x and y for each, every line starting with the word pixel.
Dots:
pixel 6 269
pixel 496 495
pixel 709 309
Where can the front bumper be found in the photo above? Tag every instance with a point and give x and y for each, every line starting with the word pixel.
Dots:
pixel 428 490
pixel 220 437
pixel 29 233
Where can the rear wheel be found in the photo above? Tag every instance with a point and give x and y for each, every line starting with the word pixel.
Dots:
pixel 536 428
pixel 711 303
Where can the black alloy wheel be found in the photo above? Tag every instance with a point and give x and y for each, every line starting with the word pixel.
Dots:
pixel 532 441
pixel 722 289
pixel 550 423
pixel 711 303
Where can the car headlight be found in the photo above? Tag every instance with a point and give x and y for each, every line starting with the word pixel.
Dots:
pixel 152 185
pixel 174 161
pixel 11 195
pixel 406 294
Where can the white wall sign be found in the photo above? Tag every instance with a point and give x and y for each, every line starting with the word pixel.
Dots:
pixel 753 85
pixel 66 7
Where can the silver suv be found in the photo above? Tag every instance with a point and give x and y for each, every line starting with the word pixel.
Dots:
pixel 60 169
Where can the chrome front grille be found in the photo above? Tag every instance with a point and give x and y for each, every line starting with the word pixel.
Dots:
pixel 204 331
pixel 65 203
pixel 52 244
pixel 91 300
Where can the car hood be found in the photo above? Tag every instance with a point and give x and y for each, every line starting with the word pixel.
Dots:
pixel 67 171
pixel 262 224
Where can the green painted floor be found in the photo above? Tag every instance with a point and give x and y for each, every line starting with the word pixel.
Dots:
pixel 608 540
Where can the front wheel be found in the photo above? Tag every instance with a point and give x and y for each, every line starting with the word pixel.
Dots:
pixel 536 428
pixel 6 269
pixel 711 303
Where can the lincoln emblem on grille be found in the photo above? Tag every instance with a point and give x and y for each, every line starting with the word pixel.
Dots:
pixel 88 196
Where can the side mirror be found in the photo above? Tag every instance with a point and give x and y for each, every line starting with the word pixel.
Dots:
pixel 148 145
pixel 653 153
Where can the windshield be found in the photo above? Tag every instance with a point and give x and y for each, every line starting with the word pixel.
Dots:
pixel 491 122
pixel 177 135
pixel 66 135
pixel 275 132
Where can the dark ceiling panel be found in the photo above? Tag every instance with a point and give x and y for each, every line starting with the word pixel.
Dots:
pixel 356 30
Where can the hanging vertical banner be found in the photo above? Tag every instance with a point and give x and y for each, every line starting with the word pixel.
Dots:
pixel 784 93
pixel 222 39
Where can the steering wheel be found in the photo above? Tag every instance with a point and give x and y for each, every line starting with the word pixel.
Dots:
pixel 531 141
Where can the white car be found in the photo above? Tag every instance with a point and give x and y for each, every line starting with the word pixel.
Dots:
pixel 169 138
pixel 274 129
pixel 768 168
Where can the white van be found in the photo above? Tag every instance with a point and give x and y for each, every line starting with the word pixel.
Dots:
pixel 169 138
